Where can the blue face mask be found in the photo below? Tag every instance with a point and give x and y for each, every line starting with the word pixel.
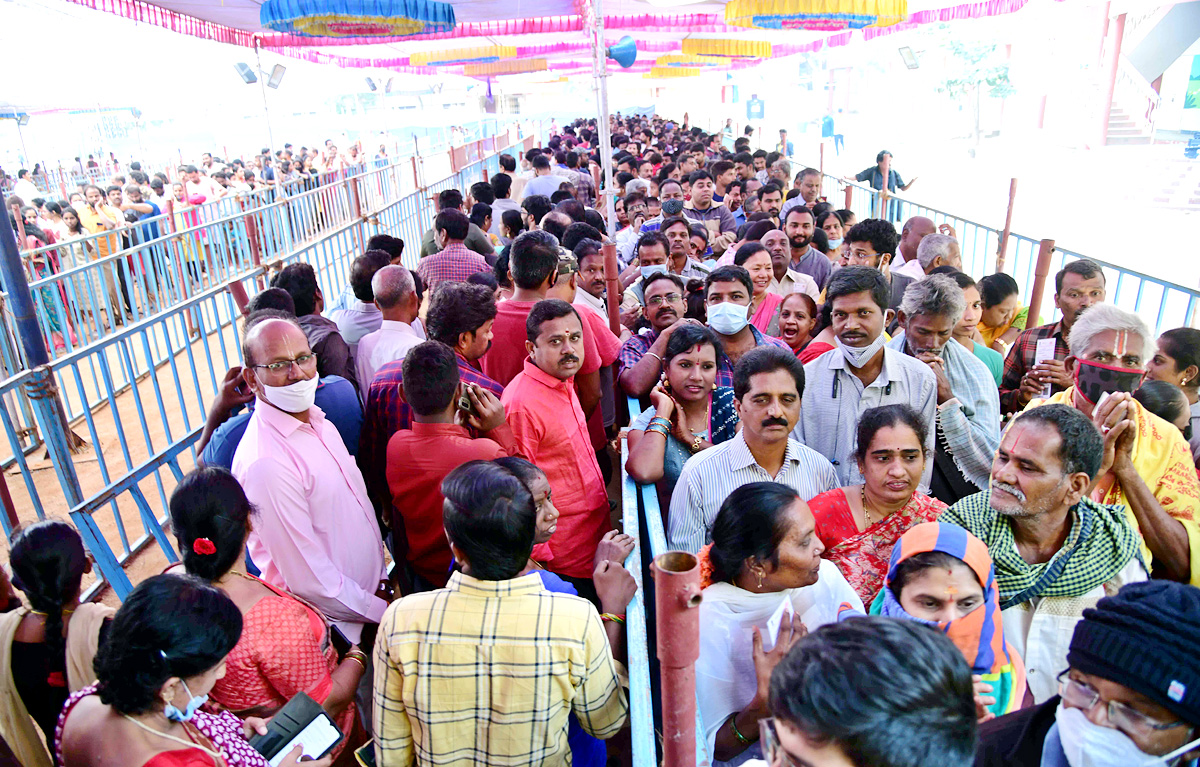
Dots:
pixel 195 702
pixel 653 269
pixel 837 242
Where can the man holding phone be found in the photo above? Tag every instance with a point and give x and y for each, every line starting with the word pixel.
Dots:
pixel 418 459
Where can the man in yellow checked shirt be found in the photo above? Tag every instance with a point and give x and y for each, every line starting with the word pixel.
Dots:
pixel 1147 465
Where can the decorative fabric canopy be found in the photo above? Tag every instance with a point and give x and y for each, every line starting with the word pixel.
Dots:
pixel 464 55
pixel 513 67
pixel 734 49
pixel 817 15
pixel 357 18
pixel 684 60
pixel 667 72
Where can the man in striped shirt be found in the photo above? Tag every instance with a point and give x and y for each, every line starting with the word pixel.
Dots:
pixel 768 384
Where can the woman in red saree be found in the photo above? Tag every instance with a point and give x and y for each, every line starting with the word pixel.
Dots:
pixel 860 525
pixel 285 646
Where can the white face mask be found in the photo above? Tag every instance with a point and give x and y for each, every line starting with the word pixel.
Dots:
pixel 296 397
pixel 857 357
pixel 728 318
pixel 1087 744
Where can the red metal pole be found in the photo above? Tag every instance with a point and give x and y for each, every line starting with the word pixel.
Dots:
pixel 1040 272
pixel 1003 252
pixel 849 196
pixel 677 590
pixel 612 278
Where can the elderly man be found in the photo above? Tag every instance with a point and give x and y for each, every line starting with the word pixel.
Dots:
pixel 551 430
pixel 786 281
pixel 768 384
pixel 914 230
pixel 453 261
pixel 808 181
pixel 1148 466
pixel 727 294
pixel 862 372
pixel 396 296
pixel 935 250
pixel 1055 550
pixel 968 407
pixel 1077 286
pixel 315 532
pixel 798 225
pixel 1134 655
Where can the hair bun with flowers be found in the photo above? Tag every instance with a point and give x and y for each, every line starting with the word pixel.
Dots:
pixel 204 547
pixel 706 566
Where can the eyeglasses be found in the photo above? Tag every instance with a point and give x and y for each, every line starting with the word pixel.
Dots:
pixel 669 298
pixel 306 363
pixel 773 751
pixel 1129 721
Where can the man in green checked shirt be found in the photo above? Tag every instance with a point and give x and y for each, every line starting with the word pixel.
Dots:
pixel 1056 551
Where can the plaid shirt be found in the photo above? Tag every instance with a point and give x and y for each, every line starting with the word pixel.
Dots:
pixel 454 264
pixel 634 348
pixel 487 672
pixel 725 365
pixel 387 413
pixel 1020 360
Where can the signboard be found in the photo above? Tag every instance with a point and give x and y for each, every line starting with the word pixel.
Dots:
pixel 754 108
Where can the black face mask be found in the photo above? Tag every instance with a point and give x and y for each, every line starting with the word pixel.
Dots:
pixel 1093 380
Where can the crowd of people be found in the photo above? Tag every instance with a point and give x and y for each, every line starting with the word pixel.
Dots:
pixel 931 528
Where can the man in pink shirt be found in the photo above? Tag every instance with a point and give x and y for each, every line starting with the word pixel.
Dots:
pixel 315 533
pixel 550 429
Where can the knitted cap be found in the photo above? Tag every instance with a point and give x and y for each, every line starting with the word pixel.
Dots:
pixel 1147 638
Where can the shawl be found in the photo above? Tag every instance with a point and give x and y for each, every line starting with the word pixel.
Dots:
pixel 979 635
pixel 1100 544
pixel 16 725
pixel 766 316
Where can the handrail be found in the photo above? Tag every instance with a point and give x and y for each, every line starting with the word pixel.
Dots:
pixel 657 536
pixel 641 706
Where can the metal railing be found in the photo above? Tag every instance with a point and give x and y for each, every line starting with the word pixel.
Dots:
pixel 139 393
pixel 1161 303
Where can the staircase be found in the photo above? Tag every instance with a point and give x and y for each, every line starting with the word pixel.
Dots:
pixel 1123 130
pixel 1182 190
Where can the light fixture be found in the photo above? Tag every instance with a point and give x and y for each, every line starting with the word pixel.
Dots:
pixel 22 119
pixel 246 73
pixel 910 58
pixel 276 75
pixel 387 88
pixel 371 84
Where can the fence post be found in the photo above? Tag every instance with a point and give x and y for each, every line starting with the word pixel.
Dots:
pixel 1002 253
pixel 849 196
pixel 612 278
pixel 1040 271
pixel 677 585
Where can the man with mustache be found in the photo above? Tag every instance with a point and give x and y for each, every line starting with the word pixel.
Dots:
pixel 551 431
pixel 640 364
pixel 1055 550
pixel 968 408
pixel 668 250
pixel 770 199
pixel 860 373
pixel 768 384
pixel 1147 465
pixel 787 281
pixel 1077 286
pixel 798 225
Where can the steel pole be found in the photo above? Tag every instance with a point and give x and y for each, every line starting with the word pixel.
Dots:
pixel 262 86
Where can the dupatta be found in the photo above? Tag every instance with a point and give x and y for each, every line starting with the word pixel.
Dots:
pixel 979 635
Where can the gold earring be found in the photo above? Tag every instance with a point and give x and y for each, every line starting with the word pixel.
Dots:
pixel 758 575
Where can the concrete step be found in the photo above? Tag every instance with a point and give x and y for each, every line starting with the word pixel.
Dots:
pixel 1128 140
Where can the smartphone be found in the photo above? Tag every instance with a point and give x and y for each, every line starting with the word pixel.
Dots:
pixel 339 641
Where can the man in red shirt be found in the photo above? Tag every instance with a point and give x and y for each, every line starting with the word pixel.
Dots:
pixel 418 459
pixel 551 430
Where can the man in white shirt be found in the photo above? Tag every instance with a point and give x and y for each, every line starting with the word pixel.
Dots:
pixel 768 383
pixel 24 187
pixel 198 183
pixel 396 296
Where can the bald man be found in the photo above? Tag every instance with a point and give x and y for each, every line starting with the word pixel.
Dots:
pixel 909 271
pixel 315 533
pixel 396 296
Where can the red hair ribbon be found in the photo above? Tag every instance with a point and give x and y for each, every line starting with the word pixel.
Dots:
pixel 204 547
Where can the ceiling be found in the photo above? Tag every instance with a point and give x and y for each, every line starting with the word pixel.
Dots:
pixel 549 29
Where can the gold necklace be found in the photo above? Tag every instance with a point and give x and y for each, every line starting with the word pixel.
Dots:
pixel 866 511
pixel 218 758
